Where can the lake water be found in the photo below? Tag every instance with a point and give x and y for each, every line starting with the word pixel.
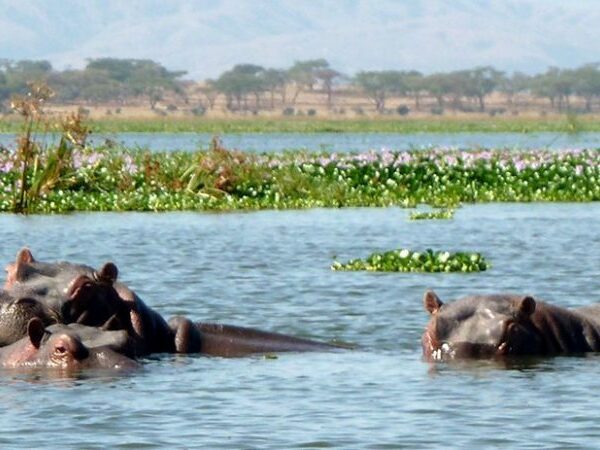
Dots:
pixel 271 270
pixel 339 142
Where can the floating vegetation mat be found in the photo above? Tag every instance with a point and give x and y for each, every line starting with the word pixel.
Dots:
pixel 440 214
pixel 119 179
pixel 404 260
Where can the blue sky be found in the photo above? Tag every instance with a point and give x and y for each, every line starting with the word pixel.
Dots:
pixel 206 37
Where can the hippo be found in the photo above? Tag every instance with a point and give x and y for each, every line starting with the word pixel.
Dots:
pixel 66 293
pixel 228 341
pixel 500 325
pixel 58 293
pixel 60 350
pixel 119 341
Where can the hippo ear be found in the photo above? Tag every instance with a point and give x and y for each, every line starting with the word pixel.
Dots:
pixel 108 272
pixel 21 271
pixel 432 302
pixel 526 306
pixel 24 256
pixel 36 331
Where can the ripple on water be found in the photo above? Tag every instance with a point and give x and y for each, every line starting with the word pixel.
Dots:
pixel 271 270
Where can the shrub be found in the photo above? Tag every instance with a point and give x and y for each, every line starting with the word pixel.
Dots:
pixel 403 110
pixel 199 110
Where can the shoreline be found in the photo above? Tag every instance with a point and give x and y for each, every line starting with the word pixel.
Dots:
pixel 561 124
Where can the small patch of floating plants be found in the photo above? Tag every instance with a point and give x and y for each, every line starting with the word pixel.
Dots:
pixel 404 260
pixel 438 214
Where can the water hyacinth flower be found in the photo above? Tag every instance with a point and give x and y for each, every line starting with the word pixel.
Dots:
pixel 129 165
pixel 7 166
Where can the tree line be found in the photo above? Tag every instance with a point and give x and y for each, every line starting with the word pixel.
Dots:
pixel 250 87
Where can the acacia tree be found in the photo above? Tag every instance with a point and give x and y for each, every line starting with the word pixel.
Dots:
pixel 274 80
pixel 414 83
pixel 239 82
pixel 438 85
pixel 327 77
pixel 303 74
pixel 587 83
pixel 379 85
pixel 555 84
pixel 139 76
pixel 210 92
pixel 480 82
pixel 513 85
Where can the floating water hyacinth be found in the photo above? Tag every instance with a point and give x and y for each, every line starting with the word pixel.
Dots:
pixel 440 214
pixel 117 179
pixel 404 260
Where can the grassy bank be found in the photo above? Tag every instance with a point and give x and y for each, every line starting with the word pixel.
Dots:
pixel 563 124
pixel 119 179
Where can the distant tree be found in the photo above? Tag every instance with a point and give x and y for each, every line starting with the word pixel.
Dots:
pixel 139 76
pixel 480 82
pixel 210 92
pixel 438 85
pixel 327 76
pixel 304 75
pixel 274 80
pixel 414 83
pixel 510 86
pixel 18 74
pixel 586 81
pixel 239 82
pixel 555 84
pixel 379 85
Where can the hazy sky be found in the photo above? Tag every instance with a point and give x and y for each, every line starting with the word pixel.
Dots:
pixel 206 37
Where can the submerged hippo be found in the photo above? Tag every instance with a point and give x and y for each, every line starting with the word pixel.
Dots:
pixel 63 350
pixel 65 293
pixel 58 293
pixel 490 326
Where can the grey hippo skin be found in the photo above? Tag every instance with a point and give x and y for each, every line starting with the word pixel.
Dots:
pixel 58 293
pixel 496 326
pixel 64 293
pixel 60 350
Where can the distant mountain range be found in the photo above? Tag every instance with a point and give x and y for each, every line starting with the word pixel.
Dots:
pixel 206 37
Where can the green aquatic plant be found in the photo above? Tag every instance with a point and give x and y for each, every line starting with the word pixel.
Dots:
pixel 80 178
pixel 404 260
pixel 440 214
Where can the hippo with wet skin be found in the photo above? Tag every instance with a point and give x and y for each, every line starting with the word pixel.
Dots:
pixel 65 293
pixel 58 293
pixel 492 326
pixel 59 350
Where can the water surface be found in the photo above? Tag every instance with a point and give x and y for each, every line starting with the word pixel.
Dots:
pixel 271 270
pixel 339 142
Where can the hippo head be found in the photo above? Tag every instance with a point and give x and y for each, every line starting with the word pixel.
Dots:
pixel 59 292
pixel 485 326
pixel 64 351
